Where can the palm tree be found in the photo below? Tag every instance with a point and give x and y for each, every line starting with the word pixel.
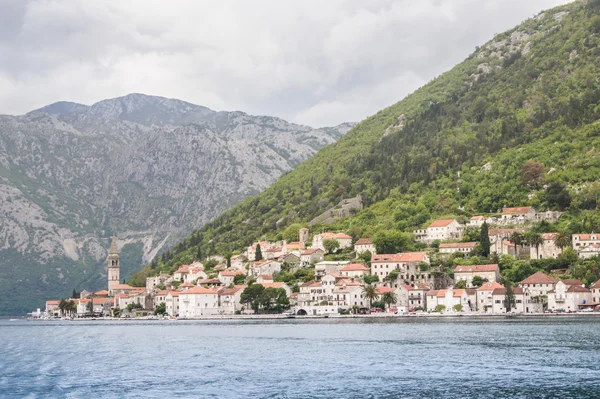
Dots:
pixel 516 239
pixel 370 293
pixel 535 239
pixel 389 298
pixel 562 241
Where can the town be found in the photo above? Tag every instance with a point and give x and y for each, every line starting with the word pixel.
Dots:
pixel 365 282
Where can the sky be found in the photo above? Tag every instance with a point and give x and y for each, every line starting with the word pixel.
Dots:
pixel 318 63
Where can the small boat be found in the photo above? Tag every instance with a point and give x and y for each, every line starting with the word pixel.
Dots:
pixel 13 319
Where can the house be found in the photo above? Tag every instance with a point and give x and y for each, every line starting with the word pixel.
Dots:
pixel 348 296
pixel 172 303
pixel 185 286
pixel 311 256
pixel 408 265
pixel 442 230
pixel 466 273
pixel 291 259
pixel 227 277
pixel 272 253
pixel 99 305
pixel 539 284
pixel 180 272
pixel 238 262
pixel 344 240
pixel 195 273
pixel 209 283
pixel 328 267
pixel 251 250
pixel 52 308
pixel 199 301
pixel 293 248
pixel 449 299
pixel 498 238
pixel 518 215
pixel 523 302
pixel 485 299
pixel 264 278
pixel 355 270
pixel 477 221
pixel 462 247
pixel 508 248
pixel 124 289
pixel 152 282
pixel 364 245
pixel 547 249
pixel 549 216
pixel 265 267
pixel 586 245
pixel 230 299
pixel 159 297
pixel 568 296
pixel 412 297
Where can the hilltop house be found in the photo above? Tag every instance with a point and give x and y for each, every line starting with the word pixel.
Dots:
pixel 442 230
pixel 462 247
pixel 467 272
pixel 344 240
pixel 364 245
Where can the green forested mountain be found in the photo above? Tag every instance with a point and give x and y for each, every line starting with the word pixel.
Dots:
pixel 529 99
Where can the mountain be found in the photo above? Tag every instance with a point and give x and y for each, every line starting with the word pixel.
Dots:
pixel 147 169
pixel 530 96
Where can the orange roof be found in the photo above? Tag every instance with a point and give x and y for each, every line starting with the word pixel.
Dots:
pixel 502 291
pixel 475 268
pixel 273 285
pixel 123 287
pixel 231 273
pixel 174 293
pixel 383 290
pixel 347 283
pixel 432 293
pixel 458 245
pixel 199 290
pixel 549 236
pixel 519 209
pixel 540 278
pixel 490 286
pixel 52 303
pixel 596 284
pixel 102 292
pixel 577 288
pixel 231 291
pixel 572 281
pixel 183 269
pixel 326 236
pixel 364 241
pixel 187 284
pixel 355 267
pixel 585 237
pixel 441 223
pixel 311 251
pixel 401 257
pixel 273 250
pixel 266 277
pixel 297 245
pixel 480 218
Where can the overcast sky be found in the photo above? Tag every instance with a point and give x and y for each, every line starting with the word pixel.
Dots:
pixel 313 62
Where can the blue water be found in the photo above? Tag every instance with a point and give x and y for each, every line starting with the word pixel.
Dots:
pixel 407 358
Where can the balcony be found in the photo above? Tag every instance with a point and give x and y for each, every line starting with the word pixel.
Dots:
pixel 559 300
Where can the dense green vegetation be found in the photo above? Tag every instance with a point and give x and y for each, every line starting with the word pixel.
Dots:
pixel 518 119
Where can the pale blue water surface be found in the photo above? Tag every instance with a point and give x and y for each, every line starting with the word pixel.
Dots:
pixel 357 358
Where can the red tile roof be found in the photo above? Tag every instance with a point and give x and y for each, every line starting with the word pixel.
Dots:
pixel 585 237
pixel 458 245
pixel 475 268
pixel 572 281
pixel 199 290
pixel 577 288
pixel 364 241
pixel 549 236
pixel 187 284
pixel 540 278
pixel 401 257
pixel 441 223
pixel 311 251
pixel 383 290
pixel 490 286
pixel 273 285
pixel 231 273
pixel 355 267
pixel 596 284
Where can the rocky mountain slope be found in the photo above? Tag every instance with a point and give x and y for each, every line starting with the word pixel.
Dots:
pixel 148 169
pixel 529 95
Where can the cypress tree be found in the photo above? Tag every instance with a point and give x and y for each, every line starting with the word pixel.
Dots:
pixel 258 255
pixel 484 239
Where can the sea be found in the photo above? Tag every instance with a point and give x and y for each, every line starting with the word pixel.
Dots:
pixel 402 357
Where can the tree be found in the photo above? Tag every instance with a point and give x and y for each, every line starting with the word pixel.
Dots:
pixel 484 240
pixel 252 296
pixel 532 173
pixel 562 241
pixel 509 296
pixel 369 293
pixel 516 239
pixel 258 256
pixel 75 294
pixel 391 242
pixel 440 308
pixel 161 309
pixel 239 278
pixel 228 256
pixel 62 305
pixel 366 257
pixel 534 240
pixel 389 298
pixel 90 305
pixel 292 232
pixel 557 196
pixel 458 308
pixel 460 285
pixel 478 281
pixel 370 278
pixel 392 276
pixel 331 245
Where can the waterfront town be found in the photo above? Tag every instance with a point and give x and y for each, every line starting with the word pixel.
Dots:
pixel 367 282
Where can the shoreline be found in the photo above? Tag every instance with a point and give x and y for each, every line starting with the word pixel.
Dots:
pixel 472 316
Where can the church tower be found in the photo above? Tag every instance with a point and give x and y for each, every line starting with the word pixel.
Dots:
pixel 114 266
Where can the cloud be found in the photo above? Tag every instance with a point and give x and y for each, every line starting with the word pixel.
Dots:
pixel 312 62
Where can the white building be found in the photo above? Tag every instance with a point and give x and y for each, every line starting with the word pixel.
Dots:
pixel 449 299
pixel 355 270
pixel 462 247
pixel 518 215
pixel 586 245
pixel 406 263
pixel 199 301
pixel 265 267
pixel 364 245
pixel 442 230
pixel 172 303
pixel 547 249
pixel 485 298
pixel 523 302
pixel 539 284
pixel 329 267
pixel 344 240
pixel 568 295
pixel 467 272
pixel 477 221
pixel 230 299
pixel 227 277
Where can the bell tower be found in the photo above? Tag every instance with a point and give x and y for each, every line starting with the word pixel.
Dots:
pixel 114 266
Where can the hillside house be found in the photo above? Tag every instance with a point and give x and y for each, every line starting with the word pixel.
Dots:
pixel 265 267
pixel 272 253
pixel 462 247
pixel 467 272
pixel 329 267
pixel 518 215
pixel 547 250
pixel 477 221
pixel 408 265
pixel 355 270
pixel 344 240
pixel 364 245
pixel 227 277
pixel 295 248
pixel 311 256
pixel 586 245
pixel 442 230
